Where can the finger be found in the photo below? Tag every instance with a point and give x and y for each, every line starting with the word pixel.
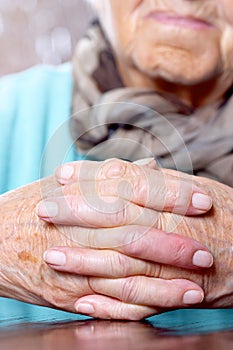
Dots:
pixel 198 180
pixel 98 263
pixel 149 291
pixel 147 162
pixel 95 212
pixel 85 170
pixel 142 243
pixel 142 185
pixel 99 306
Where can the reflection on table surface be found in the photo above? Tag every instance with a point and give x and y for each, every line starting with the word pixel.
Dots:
pixel 25 327
pixel 107 335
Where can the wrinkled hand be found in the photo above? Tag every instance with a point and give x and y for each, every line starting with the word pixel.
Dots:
pixel 24 238
pixel 96 181
pixel 90 186
pixel 133 296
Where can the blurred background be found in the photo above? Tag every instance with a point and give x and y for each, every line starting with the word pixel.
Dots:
pixel 40 31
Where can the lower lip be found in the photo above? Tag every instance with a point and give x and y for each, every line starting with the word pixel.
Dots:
pixel 180 21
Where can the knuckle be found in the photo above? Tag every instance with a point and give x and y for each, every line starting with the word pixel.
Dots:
pixel 165 192
pixel 121 312
pixel 127 312
pixel 90 239
pixel 179 251
pixel 106 188
pixel 140 189
pixel 118 265
pixel 77 263
pixel 178 195
pixel 112 168
pixel 171 197
pixel 153 270
pixel 129 289
pixel 162 195
pixel 120 216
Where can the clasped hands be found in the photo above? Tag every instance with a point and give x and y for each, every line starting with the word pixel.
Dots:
pixel 116 213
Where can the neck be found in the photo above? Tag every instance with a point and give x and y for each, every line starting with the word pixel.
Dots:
pixel 194 96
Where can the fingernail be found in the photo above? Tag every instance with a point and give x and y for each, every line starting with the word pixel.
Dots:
pixel 54 257
pixel 144 161
pixel 84 308
pixel 47 209
pixel 201 201
pixel 203 259
pixel 65 172
pixel 193 297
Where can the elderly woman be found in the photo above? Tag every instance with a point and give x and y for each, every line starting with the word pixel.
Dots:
pixel 142 58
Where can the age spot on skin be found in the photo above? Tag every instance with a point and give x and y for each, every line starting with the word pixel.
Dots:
pixel 27 256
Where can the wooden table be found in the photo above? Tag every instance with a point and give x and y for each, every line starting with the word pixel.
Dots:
pixel 198 330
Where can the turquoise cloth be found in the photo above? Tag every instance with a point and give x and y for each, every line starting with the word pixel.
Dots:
pixel 34 127
pixel 34 113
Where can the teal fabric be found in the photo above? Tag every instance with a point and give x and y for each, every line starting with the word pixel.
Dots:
pixel 34 113
pixel 34 128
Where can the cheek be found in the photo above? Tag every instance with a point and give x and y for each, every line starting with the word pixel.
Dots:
pixel 227 51
pixel 227 9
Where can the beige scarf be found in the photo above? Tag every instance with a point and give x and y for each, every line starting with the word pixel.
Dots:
pixel 110 120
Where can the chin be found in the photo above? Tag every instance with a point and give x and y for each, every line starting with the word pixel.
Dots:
pixel 179 66
pixel 188 75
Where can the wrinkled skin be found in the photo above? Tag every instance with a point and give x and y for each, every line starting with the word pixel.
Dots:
pixel 190 60
pixel 215 229
pixel 26 277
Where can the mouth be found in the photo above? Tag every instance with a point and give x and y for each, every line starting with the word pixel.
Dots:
pixel 180 21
